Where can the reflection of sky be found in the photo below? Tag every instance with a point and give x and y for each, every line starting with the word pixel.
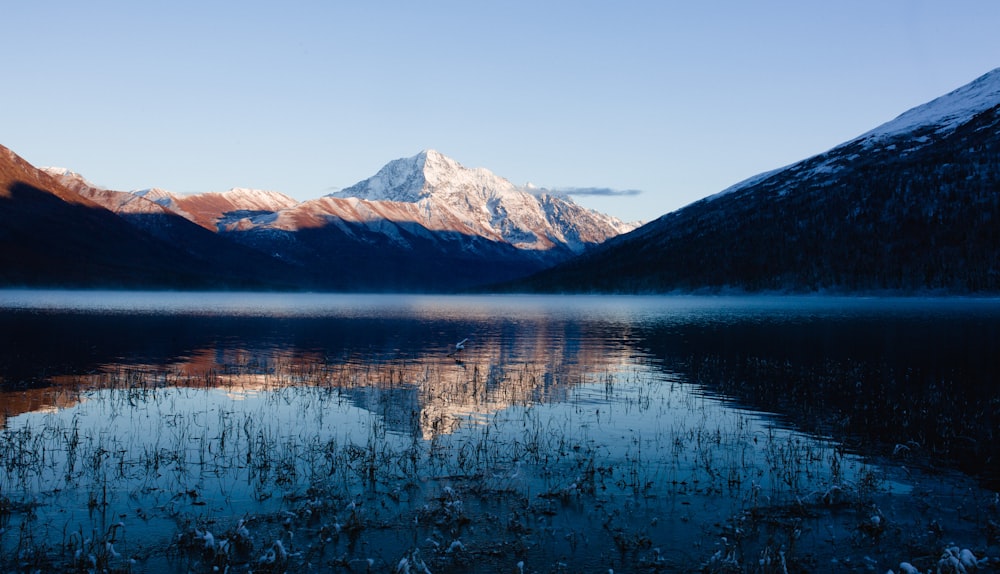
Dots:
pixel 623 414
pixel 631 309
pixel 154 453
pixel 163 451
pixel 50 337
pixel 177 411
pixel 202 439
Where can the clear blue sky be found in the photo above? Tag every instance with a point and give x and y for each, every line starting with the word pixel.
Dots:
pixel 676 99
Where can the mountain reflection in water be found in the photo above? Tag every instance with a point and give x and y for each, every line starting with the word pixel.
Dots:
pixel 662 418
pixel 53 354
pixel 889 370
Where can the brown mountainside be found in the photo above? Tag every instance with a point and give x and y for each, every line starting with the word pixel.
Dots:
pixel 52 236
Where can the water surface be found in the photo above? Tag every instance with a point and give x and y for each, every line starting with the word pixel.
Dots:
pixel 584 432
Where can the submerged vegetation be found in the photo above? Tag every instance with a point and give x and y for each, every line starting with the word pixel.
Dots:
pixel 702 435
pixel 270 467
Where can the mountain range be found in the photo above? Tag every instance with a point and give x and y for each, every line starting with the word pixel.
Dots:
pixel 420 223
pixel 50 235
pixel 912 206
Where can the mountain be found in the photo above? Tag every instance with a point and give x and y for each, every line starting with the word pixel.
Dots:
pixel 424 223
pixel 216 210
pixel 56 231
pixel 438 192
pixel 51 235
pixel 910 206
pixel 121 203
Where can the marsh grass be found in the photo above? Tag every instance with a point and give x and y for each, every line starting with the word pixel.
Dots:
pixel 269 466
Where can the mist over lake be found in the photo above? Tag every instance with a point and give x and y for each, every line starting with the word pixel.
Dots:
pixel 170 431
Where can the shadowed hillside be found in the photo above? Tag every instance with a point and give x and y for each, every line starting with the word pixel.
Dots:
pixel 909 209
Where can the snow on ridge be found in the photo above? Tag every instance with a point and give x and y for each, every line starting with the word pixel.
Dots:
pixel 948 111
pixel 259 198
pixel 752 180
pixel 56 171
pixel 67 175
pixel 157 192
pixel 162 197
pixel 233 199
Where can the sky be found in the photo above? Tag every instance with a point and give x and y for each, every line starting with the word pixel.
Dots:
pixel 647 105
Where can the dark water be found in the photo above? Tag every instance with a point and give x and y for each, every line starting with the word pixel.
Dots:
pixel 571 432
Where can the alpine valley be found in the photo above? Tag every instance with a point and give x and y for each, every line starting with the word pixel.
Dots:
pixel 912 206
pixel 424 223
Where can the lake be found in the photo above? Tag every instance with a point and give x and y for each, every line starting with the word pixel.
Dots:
pixel 201 432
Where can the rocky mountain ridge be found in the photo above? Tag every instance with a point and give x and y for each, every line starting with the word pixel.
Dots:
pixel 452 227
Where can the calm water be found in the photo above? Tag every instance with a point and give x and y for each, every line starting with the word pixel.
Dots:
pixel 141 430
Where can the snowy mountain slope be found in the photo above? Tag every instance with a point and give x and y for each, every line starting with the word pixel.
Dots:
pixel 909 206
pixel 215 210
pixel 907 132
pixel 429 196
pixel 435 191
pixel 425 222
pixel 165 221
pixel 381 217
pixel 209 210
pixel 420 223
pixel 117 201
pixel 945 113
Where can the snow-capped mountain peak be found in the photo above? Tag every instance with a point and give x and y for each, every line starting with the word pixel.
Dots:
pixel 437 164
pixel 445 194
pixel 399 180
pixel 428 173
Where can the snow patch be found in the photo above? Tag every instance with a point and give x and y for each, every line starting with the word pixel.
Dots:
pixel 440 194
pixel 946 112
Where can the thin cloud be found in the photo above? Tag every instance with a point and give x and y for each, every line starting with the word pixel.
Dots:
pixel 578 191
pixel 601 191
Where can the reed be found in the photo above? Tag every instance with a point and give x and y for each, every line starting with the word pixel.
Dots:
pixel 271 466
